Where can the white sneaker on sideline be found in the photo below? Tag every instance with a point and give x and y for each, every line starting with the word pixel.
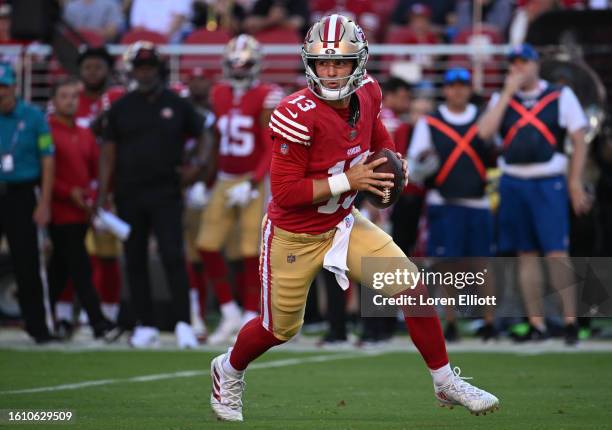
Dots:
pixel 144 337
pixel 199 328
pixel 459 392
pixel 228 327
pixel 185 338
pixel 226 395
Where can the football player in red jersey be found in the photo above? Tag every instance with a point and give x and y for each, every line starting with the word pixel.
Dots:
pixel 242 106
pixel 321 137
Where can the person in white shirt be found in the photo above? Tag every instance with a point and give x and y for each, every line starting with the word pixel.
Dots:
pixel 531 118
pixel 162 16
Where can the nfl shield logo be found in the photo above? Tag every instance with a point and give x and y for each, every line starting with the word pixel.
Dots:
pixel 347 222
pixel 352 134
pixel 290 258
pixel 284 148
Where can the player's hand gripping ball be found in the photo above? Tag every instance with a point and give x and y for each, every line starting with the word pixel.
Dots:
pixel 392 165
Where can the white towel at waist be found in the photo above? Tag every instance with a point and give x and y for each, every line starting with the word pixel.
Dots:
pixel 335 257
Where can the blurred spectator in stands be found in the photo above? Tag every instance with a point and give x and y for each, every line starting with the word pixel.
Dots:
pixel 360 11
pixel 101 16
pixel 26 183
pixel 495 13
pixel 6 37
pixel 442 13
pixel 524 15
pixel 166 17
pixel 586 4
pixel 5 24
pixel 218 15
pixel 291 14
pixel 419 22
pixel 423 101
pixel 418 31
pixel 76 160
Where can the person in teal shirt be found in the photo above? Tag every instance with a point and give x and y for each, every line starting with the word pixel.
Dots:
pixel 26 182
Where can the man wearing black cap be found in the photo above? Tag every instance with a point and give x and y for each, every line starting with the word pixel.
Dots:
pixel 458 213
pixel 144 141
pixel 531 117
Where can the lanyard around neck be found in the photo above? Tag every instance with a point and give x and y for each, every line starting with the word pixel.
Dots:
pixel 14 139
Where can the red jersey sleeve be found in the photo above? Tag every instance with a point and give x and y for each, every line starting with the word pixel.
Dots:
pixel 290 129
pixel 290 187
pixel 292 120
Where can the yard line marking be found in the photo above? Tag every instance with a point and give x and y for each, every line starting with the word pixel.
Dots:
pixel 191 373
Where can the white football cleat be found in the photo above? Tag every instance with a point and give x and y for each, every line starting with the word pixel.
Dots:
pixel 185 337
pixel 226 395
pixel 145 337
pixel 227 329
pixel 459 392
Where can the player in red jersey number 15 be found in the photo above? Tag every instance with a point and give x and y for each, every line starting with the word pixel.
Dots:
pixel 321 138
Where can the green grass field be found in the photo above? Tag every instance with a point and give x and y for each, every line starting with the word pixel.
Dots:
pixel 350 391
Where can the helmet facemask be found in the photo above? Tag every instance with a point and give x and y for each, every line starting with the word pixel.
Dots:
pixel 316 84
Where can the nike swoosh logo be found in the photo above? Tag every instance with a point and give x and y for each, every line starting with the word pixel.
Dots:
pixel 294 115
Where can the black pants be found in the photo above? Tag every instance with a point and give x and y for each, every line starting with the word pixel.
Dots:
pixel 17 204
pixel 70 260
pixel 405 220
pixel 159 211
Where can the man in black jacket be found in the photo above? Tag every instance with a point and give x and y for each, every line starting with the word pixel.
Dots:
pixel 144 140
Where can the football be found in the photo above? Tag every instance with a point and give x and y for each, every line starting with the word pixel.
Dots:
pixel 392 165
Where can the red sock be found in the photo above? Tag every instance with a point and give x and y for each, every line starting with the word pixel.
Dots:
pixel 426 334
pixel 107 278
pixel 215 267
pixel 197 281
pixel 253 340
pixel 425 331
pixel 252 286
